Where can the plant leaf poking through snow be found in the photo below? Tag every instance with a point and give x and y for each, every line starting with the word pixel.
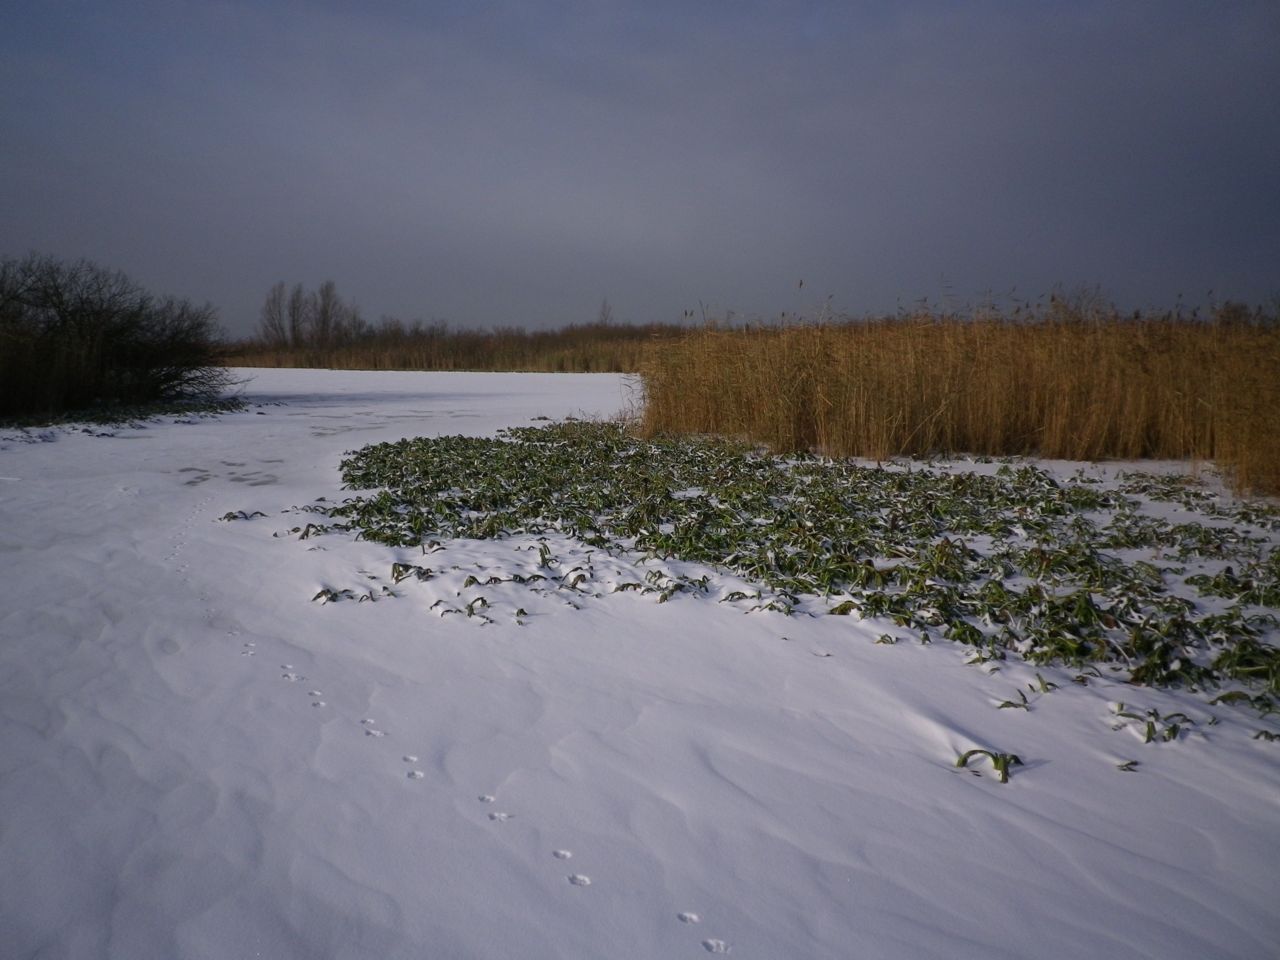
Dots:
pixel 1014 562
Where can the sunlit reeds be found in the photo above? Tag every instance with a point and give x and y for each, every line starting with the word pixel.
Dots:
pixel 1062 385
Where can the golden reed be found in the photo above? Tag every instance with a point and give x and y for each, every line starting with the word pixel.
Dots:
pixel 1065 385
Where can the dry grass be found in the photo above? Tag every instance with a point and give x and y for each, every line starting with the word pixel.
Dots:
pixel 585 348
pixel 1064 385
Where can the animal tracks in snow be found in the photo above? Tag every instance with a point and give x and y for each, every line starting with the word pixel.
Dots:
pixel 413 771
pixel 414 774
pixel 577 879
pixel 563 854
pixel 289 673
pixel 497 816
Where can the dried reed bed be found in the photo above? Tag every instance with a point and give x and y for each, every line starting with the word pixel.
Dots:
pixel 1061 386
pixel 582 348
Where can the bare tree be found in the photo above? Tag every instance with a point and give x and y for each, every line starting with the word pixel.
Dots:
pixel 298 312
pixel 351 325
pixel 273 326
pixel 606 313
pixel 326 314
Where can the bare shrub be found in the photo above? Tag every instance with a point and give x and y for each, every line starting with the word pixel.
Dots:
pixel 76 336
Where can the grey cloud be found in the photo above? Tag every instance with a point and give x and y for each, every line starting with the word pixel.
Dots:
pixel 514 163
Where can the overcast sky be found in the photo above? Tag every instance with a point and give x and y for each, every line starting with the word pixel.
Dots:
pixel 516 162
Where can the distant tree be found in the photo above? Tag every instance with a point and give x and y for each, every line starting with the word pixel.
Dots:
pixel 73 335
pixel 606 313
pixel 273 326
pixel 326 314
pixel 353 326
pixel 298 316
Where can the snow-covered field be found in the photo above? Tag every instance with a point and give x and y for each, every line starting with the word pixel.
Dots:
pixel 198 761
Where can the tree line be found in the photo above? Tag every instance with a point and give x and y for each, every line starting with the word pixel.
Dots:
pixel 318 328
pixel 297 318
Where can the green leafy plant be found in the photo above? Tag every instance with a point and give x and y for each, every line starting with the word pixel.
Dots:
pixel 1014 563
pixel 1154 726
pixel 1001 762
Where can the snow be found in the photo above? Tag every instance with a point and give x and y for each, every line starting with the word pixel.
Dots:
pixel 198 761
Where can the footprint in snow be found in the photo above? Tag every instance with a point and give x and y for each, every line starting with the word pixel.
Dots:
pixel 485 798
pixel 292 677
pixel 562 854
pixel 689 917
pixel 579 880
pixel 416 774
pixel 715 946
pixel 500 817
